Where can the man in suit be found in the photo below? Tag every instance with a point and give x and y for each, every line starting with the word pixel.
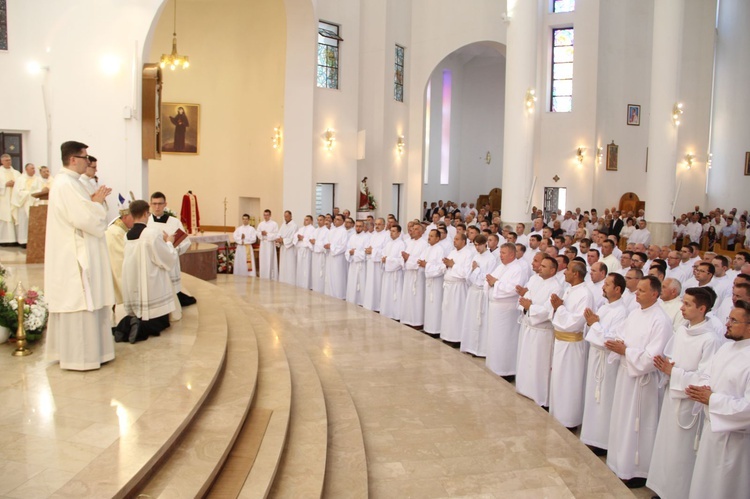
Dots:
pixel 616 224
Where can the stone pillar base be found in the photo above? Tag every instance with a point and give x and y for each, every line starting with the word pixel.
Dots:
pixel 661 233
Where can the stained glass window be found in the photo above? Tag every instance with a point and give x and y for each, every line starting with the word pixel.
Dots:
pixel 328 55
pixel 398 75
pixel 563 6
pixel 561 97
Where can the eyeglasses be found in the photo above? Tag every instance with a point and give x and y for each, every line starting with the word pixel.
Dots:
pixel 154 203
pixel 87 157
pixel 735 321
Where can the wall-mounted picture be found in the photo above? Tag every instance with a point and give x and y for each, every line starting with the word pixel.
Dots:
pixel 634 114
pixel 612 156
pixel 747 163
pixel 180 128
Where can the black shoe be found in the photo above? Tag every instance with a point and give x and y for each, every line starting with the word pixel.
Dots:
pixel 635 483
pixel 545 407
pixel 598 451
pixel 186 300
pixel 510 378
pixel 572 429
pixel 452 344
pixel 134 325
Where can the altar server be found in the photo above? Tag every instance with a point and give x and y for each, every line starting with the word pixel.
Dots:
pixel 244 236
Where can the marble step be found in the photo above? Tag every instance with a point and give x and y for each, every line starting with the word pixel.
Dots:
pixel 197 354
pixel 192 465
pixel 253 461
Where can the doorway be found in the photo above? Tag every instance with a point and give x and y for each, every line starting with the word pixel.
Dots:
pixel 325 198
pixel 554 200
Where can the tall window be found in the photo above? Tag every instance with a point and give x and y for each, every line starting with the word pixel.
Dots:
pixel 398 75
pixel 563 5
pixel 561 97
pixel 328 55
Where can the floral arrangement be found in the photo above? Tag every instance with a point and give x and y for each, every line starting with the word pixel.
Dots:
pixel 371 200
pixel 225 259
pixel 36 310
pixel 170 213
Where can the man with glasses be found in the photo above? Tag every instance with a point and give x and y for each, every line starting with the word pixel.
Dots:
pixel 722 388
pixel 638 261
pixel 88 178
pixel 77 273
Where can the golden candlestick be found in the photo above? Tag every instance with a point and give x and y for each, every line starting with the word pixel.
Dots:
pixel 21 350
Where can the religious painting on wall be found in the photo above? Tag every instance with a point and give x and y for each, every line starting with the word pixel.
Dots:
pixel 747 163
pixel 180 128
pixel 3 25
pixel 634 115
pixel 612 156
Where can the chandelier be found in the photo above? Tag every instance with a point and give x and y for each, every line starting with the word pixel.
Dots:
pixel 174 60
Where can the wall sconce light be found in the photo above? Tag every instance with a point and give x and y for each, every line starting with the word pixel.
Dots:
pixel 677 113
pixel 689 160
pixel 330 138
pixel 400 144
pixel 579 155
pixel 34 68
pixel 488 158
pixel 530 100
pixel 710 161
pixel 599 155
pixel 276 137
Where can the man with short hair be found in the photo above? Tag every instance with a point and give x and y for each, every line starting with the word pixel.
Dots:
pixel 115 235
pixel 434 270
pixel 608 258
pixel 22 201
pixel 336 271
pixel 77 274
pixel 721 282
pixel 244 236
pixel 412 301
pixel 8 177
pixel 724 451
pixel 287 250
pixel 374 266
pixel 671 290
pixel 458 266
pixel 641 234
pixel 635 406
pixel 597 276
pixel 269 233
pixel 318 261
pixel 391 288
pixel 631 284
pixel 355 256
pixel 303 279
pixel 474 329
pixel 674 269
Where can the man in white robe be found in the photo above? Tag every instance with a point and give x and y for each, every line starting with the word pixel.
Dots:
pixel 569 359
pixel 374 266
pixel 458 265
pixel 601 325
pixel 502 315
pixel 355 256
pixel 115 236
pixel 146 286
pixel 22 201
pixel 244 236
pixel 608 258
pixel 723 461
pixel 536 338
pixel 287 250
pixel 8 177
pixel 318 261
pixel 162 220
pixel 77 274
pixel 412 300
pixel 687 354
pixel 304 253
pixel 336 260
pixel 595 282
pixel 635 407
pixel 474 328
pixel 434 270
pixel 670 301
pixel 392 285
pixel 46 178
pixel 269 233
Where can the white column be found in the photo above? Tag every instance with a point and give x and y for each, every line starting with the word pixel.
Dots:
pixel 518 137
pixel 662 136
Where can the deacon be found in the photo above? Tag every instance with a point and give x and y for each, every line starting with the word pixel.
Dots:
pixel 304 253
pixel 77 275
pixel 146 287
pixel 374 266
pixel 288 251
pixel 434 270
pixel 458 265
pixel 474 328
pixel 336 260
pixel 8 177
pixel 115 235
pixel 412 302
pixel 22 201
pixel 392 286
pixel 355 256
pixel 244 236
pixel 269 233
pixel 318 261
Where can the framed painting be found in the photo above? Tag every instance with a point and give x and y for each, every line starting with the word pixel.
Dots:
pixel 612 156
pixel 634 115
pixel 180 124
pixel 747 163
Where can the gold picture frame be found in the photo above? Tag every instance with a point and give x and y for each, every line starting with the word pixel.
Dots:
pixel 612 152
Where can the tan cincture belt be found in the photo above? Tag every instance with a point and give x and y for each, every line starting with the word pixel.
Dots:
pixel 569 337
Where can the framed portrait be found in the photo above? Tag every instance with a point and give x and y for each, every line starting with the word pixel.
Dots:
pixel 612 156
pixel 634 115
pixel 747 163
pixel 180 124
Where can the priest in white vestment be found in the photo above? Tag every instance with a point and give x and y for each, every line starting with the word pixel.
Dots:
pixel 412 301
pixel 288 250
pixel 374 266
pixel 336 267
pixel 536 337
pixel 146 288
pixel 687 354
pixel 392 285
pixel 635 407
pixel 474 328
pixel 723 461
pixel 569 358
pixel 304 253
pixel 503 314
pixel 318 259
pixel 455 287
pixel 8 177
pixel 115 235
pixel 244 236
pixel 601 375
pixel 77 274
pixel 355 256
pixel 434 270
pixel 269 232
pixel 22 201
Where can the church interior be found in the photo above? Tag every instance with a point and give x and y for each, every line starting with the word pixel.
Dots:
pixel 267 390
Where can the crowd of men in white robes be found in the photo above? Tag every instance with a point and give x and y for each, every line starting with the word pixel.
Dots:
pixel 16 199
pixel 632 346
